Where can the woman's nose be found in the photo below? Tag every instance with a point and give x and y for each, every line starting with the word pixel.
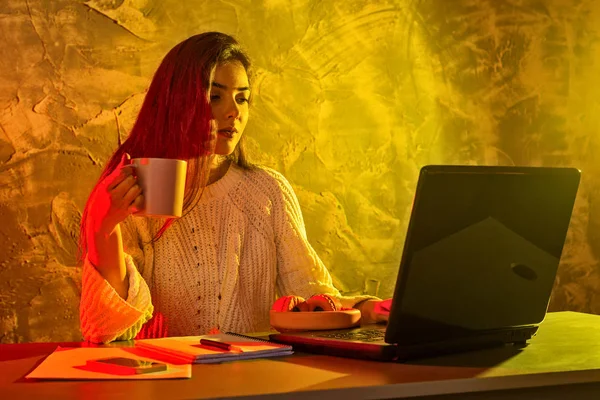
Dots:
pixel 233 110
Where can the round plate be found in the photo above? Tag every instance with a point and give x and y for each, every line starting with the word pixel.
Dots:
pixel 314 320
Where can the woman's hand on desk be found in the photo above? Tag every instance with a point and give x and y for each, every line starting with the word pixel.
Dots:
pixel 373 311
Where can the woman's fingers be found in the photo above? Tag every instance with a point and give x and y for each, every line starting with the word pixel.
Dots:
pixel 122 172
pixel 382 310
pixel 133 192
pixel 137 205
pixel 120 191
pixel 114 197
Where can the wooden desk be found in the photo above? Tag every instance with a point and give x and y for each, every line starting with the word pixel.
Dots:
pixel 562 361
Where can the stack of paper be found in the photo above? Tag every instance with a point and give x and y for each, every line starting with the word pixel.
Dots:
pixel 188 349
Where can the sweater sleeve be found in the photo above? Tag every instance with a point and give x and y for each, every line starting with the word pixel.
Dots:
pixel 104 315
pixel 300 269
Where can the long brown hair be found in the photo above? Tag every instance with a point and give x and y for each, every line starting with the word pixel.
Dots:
pixel 174 120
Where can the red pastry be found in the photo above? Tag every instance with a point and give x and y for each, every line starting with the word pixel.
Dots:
pixel 290 303
pixel 323 302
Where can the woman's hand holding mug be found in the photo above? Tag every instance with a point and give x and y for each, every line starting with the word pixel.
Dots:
pixel 117 196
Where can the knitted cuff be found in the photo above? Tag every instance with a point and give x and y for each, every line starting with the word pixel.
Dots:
pixel 106 316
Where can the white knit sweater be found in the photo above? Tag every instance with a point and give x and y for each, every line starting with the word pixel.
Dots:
pixel 220 266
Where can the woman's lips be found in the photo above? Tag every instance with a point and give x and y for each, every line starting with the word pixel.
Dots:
pixel 229 133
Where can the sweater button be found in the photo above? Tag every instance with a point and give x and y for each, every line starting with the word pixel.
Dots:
pixel 219 297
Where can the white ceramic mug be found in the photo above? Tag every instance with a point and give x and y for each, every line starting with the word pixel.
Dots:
pixel 163 185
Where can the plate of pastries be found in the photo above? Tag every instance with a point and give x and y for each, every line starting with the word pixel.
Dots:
pixel 318 312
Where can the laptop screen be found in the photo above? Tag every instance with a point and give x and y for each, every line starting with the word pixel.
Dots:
pixel 482 250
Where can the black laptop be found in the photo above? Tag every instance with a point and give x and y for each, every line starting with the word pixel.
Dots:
pixel 478 265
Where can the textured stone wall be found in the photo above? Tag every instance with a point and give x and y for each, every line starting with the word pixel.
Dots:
pixel 351 99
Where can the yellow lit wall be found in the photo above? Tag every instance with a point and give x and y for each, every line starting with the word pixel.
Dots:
pixel 352 97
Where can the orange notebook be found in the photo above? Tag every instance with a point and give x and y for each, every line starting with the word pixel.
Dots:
pixel 188 349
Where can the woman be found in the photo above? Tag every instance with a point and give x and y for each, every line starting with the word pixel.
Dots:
pixel 241 240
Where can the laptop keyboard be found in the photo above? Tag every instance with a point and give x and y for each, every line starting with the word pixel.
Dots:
pixel 365 335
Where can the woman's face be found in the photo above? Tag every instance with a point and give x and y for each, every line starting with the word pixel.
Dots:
pixel 229 101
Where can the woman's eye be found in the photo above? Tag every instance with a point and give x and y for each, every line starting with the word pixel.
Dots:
pixel 214 97
pixel 242 100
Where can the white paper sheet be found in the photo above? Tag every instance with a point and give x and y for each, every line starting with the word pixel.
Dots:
pixel 70 363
